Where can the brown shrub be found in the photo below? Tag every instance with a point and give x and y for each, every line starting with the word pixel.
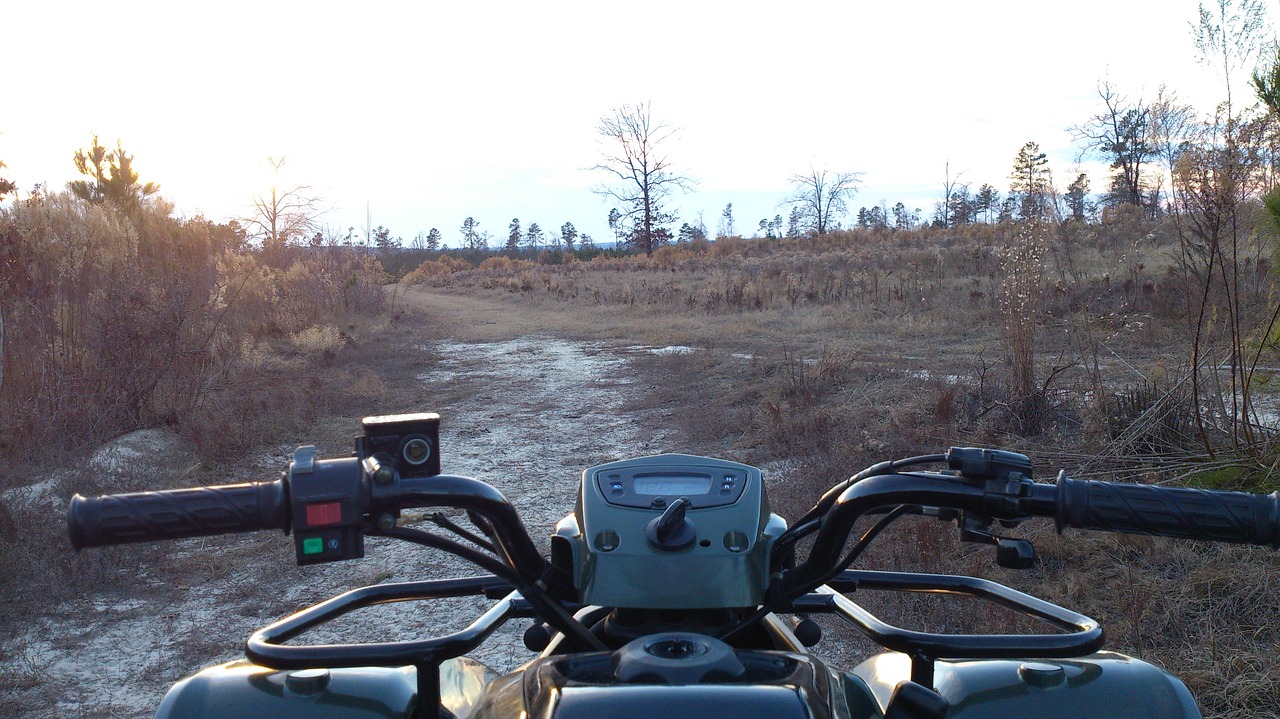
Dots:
pixel 116 322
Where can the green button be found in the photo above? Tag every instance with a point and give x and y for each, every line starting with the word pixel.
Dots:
pixel 313 545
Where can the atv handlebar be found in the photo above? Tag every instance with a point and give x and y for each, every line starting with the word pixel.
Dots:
pixel 177 513
pixel 1180 512
pixel 1184 512
pixel 988 485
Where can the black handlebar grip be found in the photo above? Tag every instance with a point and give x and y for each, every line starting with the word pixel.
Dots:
pixel 177 513
pixel 1184 512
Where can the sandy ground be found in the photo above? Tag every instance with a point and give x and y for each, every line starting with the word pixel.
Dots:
pixel 527 415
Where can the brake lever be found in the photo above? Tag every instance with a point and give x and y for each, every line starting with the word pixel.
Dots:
pixel 1011 552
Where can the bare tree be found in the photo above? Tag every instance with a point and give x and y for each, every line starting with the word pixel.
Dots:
pixel 1121 132
pixel 948 189
pixel 1174 128
pixel 1227 35
pixel 285 215
pixel 643 178
pixel 822 196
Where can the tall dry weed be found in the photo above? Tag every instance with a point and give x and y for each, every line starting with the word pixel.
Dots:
pixel 115 322
pixel 1022 282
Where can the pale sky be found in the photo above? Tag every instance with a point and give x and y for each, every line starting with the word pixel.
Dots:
pixel 432 112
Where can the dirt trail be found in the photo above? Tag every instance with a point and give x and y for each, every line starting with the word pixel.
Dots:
pixel 525 414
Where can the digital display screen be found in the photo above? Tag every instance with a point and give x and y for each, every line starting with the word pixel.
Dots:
pixel 668 485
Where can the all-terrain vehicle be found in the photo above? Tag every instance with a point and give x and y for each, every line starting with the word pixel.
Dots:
pixel 672 590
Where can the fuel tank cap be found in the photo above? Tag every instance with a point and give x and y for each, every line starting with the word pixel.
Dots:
pixel 1042 674
pixel 676 658
pixel 307 681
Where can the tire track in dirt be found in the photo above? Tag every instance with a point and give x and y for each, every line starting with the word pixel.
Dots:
pixel 526 415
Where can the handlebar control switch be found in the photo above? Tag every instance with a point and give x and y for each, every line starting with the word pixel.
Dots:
pixel 325 497
pixel 983 464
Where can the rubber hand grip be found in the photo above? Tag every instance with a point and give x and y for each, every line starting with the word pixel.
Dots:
pixel 178 513
pixel 1209 515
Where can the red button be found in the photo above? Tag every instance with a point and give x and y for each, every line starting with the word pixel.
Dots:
pixel 324 514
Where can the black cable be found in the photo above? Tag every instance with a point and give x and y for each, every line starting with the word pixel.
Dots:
pixel 550 609
pixel 445 523
pixel 784 545
pixel 858 548
pixel 490 564
pixel 482 523
pixel 890 467
pixel 865 540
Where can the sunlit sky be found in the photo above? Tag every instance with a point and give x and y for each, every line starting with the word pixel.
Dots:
pixel 427 113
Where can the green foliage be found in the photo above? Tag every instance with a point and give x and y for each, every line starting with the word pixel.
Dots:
pixel 1266 85
pixel 513 235
pixel 112 179
pixel 533 236
pixel 1078 198
pixel 6 186
pixel 1271 203
pixel 1029 181
pixel 568 235
pixel 472 238
pixel 384 241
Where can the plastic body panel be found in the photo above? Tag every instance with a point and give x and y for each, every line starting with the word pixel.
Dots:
pixel 779 685
pixel 1099 686
pixel 615 564
pixel 247 691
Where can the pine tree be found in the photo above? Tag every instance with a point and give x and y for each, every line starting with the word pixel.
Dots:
pixel 533 236
pixel 1029 181
pixel 471 237
pixel 513 235
pixel 568 234
pixel 1077 198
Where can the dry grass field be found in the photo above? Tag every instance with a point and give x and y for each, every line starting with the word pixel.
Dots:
pixel 812 358
pixel 819 357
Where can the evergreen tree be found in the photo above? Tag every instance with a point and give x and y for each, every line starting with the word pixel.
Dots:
pixel 112 179
pixel 1029 181
pixel 568 234
pixel 793 222
pixel 6 186
pixel 533 236
pixel 513 235
pixel 433 239
pixel 901 218
pixel 988 201
pixel 963 207
pixel 471 237
pixel 1078 198
pixel 726 221
pixel 615 224
pixel 383 240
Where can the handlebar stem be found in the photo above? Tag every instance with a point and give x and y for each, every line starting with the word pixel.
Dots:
pixel 866 495
pixel 471 494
